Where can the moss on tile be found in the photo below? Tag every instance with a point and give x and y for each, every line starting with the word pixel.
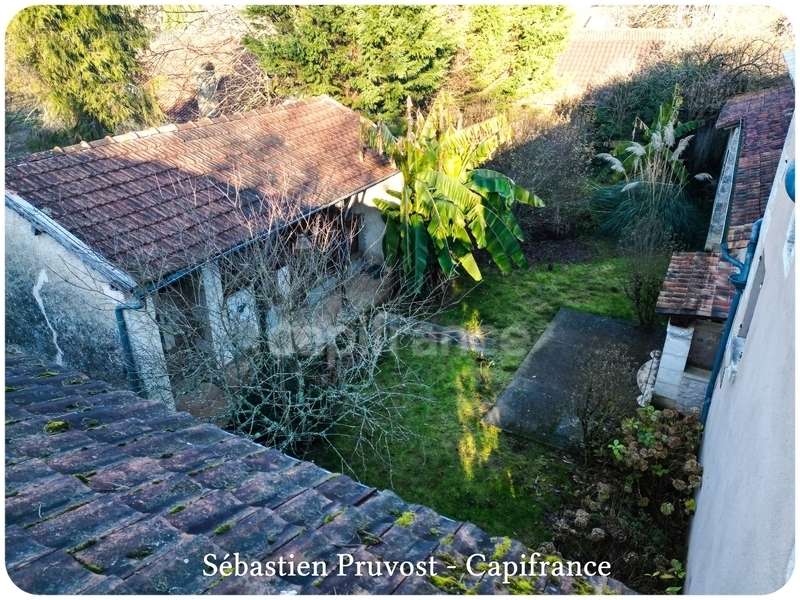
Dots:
pixel 56 426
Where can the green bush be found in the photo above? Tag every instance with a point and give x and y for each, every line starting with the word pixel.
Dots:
pixel 370 58
pixel 81 64
pixel 633 506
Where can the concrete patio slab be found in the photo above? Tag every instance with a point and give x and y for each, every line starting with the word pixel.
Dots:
pixel 538 403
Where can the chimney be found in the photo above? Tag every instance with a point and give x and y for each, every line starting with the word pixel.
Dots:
pixel 206 90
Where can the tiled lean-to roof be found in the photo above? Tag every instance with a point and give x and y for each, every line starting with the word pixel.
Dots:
pixel 107 492
pixel 764 117
pixel 160 199
pixel 697 283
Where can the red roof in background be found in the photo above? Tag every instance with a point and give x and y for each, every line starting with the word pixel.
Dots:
pixel 697 283
pixel 594 57
pixel 161 196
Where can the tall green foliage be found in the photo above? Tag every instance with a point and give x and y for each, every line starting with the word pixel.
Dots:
pixel 449 206
pixel 653 197
pixel 511 50
pixel 370 58
pixel 405 53
pixel 82 64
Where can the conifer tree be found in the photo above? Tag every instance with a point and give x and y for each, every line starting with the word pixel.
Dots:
pixel 82 65
pixel 371 58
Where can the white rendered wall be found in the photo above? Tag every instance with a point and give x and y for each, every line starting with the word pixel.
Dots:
pixel 60 309
pixel 370 238
pixel 673 361
pixel 742 537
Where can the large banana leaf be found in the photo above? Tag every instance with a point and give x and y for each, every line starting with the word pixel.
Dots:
pixel 467 261
pixel 502 242
pixel 379 137
pixel 525 196
pixel 487 181
pixel 445 259
pixel 452 189
pixel 388 208
pixel 391 241
pixel 421 244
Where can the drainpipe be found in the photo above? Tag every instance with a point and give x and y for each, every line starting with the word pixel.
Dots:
pixel 739 281
pixel 134 381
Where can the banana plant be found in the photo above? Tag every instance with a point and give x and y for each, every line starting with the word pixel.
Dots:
pixel 449 206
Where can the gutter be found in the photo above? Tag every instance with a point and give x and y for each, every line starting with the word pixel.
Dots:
pixel 102 265
pixel 132 373
pixel 40 220
pixel 739 281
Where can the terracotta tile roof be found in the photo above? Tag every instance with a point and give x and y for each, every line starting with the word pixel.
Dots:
pixel 125 497
pixel 157 197
pixel 594 57
pixel 764 116
pixel 697 283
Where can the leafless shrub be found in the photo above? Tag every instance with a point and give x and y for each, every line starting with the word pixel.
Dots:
pixel 720 67
pixel 551 154
pixel 647 250
pixel 187 41
pixel 603 395
pixel 708 69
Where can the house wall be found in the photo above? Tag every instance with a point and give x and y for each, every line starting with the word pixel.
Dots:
pixel 57 307
pixel 232 319
pixel 148 352
pixel 60 309
pixel 742 536
pixel 370 237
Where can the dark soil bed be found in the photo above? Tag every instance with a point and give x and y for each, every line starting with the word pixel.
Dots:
pixel 558 251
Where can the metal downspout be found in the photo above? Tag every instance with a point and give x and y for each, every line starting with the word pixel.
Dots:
pixel 739 281
pixel 134 381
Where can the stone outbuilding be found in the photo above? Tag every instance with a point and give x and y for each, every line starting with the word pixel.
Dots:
pixel 96 231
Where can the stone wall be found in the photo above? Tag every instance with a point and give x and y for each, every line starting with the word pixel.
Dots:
pixel 62 310
pixel 57 307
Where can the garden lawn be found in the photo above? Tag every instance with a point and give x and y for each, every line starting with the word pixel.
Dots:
pixel 453 461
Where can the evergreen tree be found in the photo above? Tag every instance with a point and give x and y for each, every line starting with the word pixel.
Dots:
pixel 511 50
pixel 404 52
pixel 82 64
pixel 306 49
pixel 368 57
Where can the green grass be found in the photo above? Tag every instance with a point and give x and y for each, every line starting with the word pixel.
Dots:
pixel 515 309
pixel 453 461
